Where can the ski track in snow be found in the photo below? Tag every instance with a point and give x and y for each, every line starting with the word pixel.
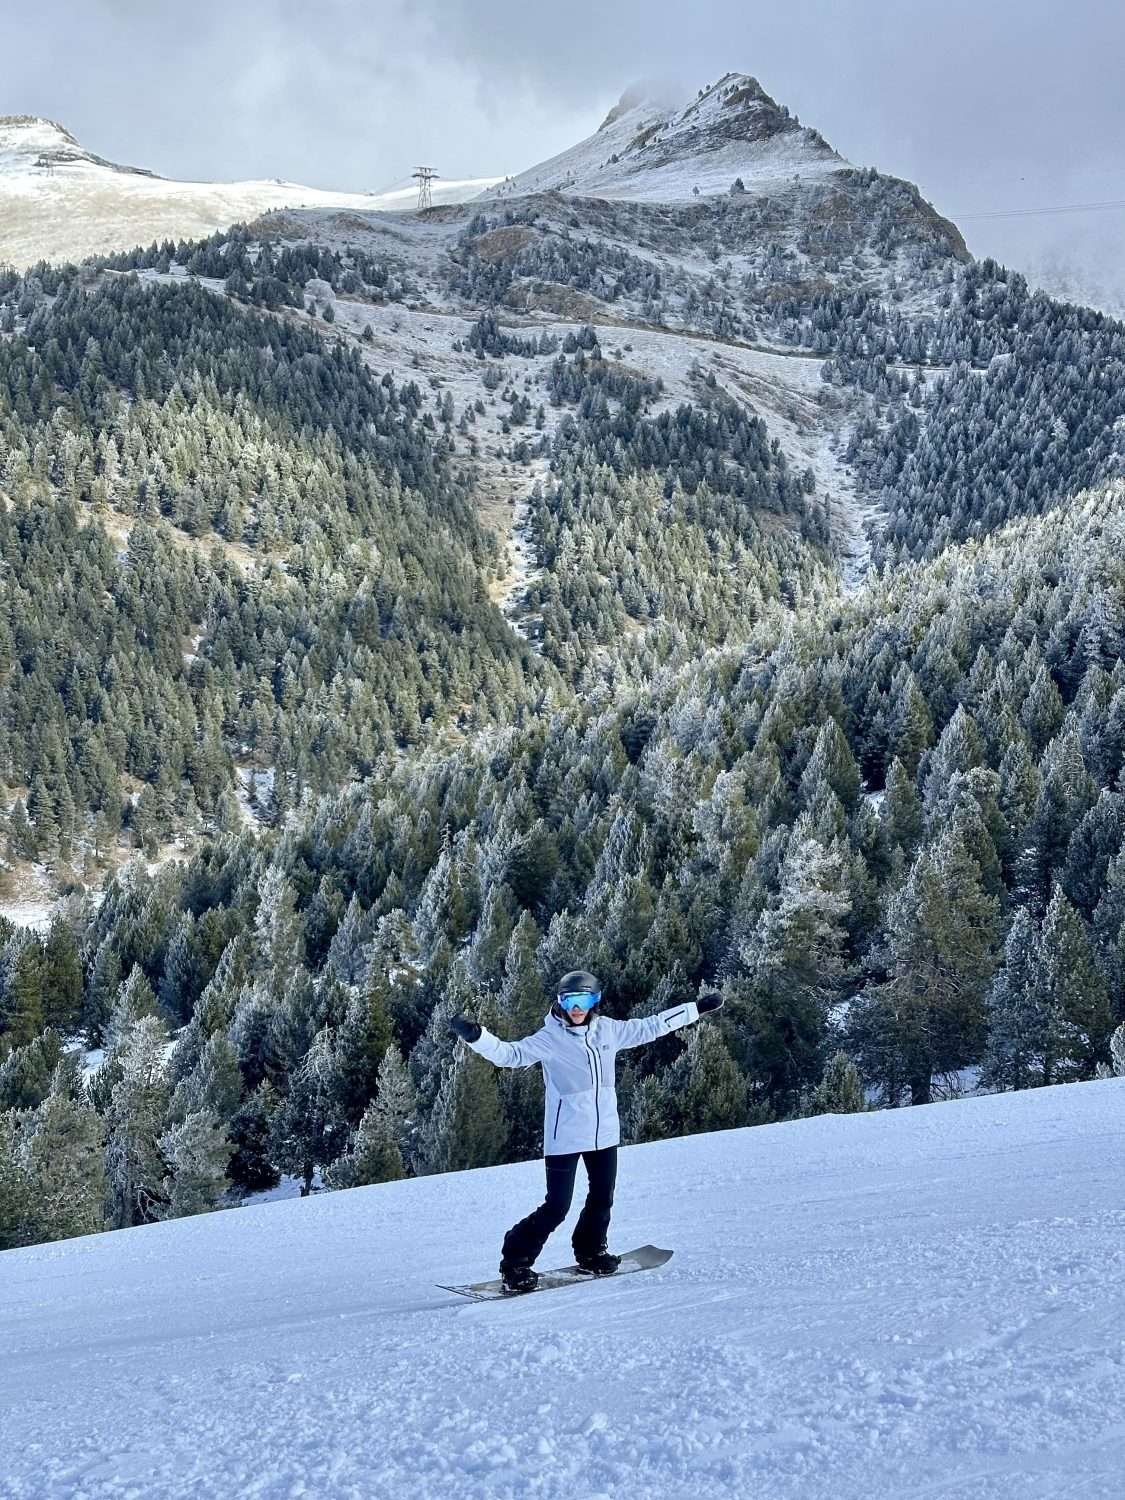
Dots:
pixel 928 1302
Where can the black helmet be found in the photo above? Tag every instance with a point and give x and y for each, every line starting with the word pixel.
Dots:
pixel 577 982
pixel 578 979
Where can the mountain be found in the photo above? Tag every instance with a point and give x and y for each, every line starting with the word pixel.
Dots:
pixel 855 1304
pixel 59 201
pixel 649 151
pixel 719 590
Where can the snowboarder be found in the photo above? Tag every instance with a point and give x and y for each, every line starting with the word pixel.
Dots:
pixel 576 1050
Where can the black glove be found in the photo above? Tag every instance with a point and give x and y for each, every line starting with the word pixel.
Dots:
pixel 708 1002
pixel 467 1030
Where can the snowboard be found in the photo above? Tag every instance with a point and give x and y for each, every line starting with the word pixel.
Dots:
pixel 644 1258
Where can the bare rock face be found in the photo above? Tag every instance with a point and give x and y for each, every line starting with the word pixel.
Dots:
pixel 500 244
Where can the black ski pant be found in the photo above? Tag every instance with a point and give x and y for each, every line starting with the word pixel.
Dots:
pixel 524 1240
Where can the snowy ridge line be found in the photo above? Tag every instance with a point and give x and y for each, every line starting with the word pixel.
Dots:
pixel 61 202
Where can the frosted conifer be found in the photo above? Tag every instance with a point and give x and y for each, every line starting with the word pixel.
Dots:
pixel 198 1154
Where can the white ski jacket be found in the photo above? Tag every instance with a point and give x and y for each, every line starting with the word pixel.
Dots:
pixel 580 1110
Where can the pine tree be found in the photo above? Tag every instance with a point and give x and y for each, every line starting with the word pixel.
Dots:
pixel 27 1073
pixel 62 978
pixel 707 1090
pixel 1117 1051
pixel 134 1001
pixel 1068 793
pixel 374 1155
pixel 138 1105
pixel 179 980
pixel 256 1033
pixel 216 1006
pixel 249 1132
pixel 492 937
pixel 64 1157
pixel 840 1091
pixel 277 927
pixel 1020 786
pixel 902 810
pixel 23 839
pixel 1093 845
pixel 345 960
pixel 21 989
pixel 214 1085
pixel 521 999
pixel 972 800
pixel 466 1125
pixel 958 750
pixel 650 1112
pixel 363 1041
pixel 101 989
pixel 430 1054
pixel 795 963
pixel 198 1155
pixel 309 1129
pixel 943 934
pixel 1074 990
pixel 1021 1031
pixel 1042 711
pixel 833 765
pixel 17 1221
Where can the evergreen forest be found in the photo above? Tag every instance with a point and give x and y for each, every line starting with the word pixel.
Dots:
pixel 306 790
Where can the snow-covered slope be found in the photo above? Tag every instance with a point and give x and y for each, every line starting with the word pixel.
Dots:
pixel 59 201
pixel 646 150
pixel 924 1302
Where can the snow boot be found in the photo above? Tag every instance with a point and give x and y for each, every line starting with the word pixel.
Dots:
pixel 598 1262
pixel 518 1278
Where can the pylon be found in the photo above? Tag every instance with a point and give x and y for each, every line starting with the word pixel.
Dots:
pixel 425 176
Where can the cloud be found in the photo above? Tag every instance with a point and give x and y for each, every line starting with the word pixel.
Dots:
pixel 1011 103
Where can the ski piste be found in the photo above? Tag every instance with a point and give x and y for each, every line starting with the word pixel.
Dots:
pixel 644 1258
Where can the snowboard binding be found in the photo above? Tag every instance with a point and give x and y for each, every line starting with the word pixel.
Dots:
pixel 516 1279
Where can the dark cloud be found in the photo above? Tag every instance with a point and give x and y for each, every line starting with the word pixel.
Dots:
pixel 986 104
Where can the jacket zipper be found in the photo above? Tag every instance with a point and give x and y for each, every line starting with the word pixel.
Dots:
pixel 555 1132
pixel 595 1074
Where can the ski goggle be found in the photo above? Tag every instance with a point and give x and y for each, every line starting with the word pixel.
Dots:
pixel 579 999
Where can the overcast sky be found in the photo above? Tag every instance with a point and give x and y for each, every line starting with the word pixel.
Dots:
pixel 987 104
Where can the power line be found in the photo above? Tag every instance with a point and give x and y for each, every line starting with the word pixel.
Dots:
pixel 1058 208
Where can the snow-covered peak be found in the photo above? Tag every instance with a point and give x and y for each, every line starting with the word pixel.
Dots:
pixel 657 98
pixel 33 133
pixel 32 143
pixel 650 148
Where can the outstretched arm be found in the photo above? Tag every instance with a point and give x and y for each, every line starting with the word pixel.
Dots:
pixel 521 1054
pixel 650 1028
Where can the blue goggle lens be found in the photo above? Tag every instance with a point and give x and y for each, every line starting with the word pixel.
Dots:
pixel 579 1000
